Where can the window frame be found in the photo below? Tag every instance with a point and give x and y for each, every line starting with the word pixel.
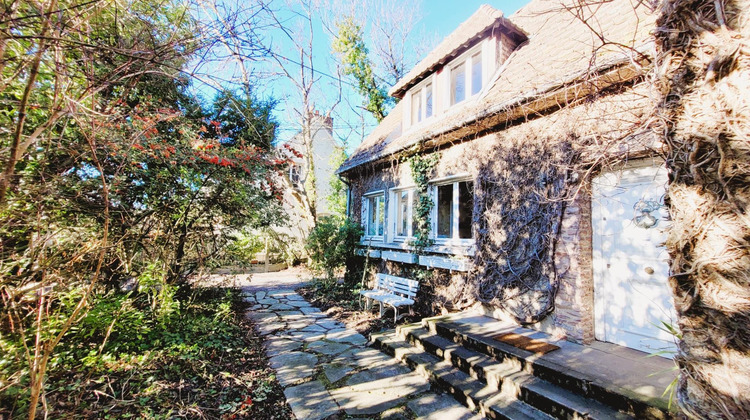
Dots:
pixel 393 212
pixel 295 170
pixel 454 238
pixel 367 201
pixel 465 60
pixel 420 91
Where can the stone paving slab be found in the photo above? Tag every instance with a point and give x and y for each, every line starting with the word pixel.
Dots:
pixel 439 407
pixel 377 395
pixel 335 372
pixel 293 367
pixel 328 348
pixel 310 401
pixel 328 369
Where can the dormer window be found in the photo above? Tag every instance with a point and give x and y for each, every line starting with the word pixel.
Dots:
pixel 458 84
pixel 422 103
pixel 459 79
pixel 466 76
pixel 476 73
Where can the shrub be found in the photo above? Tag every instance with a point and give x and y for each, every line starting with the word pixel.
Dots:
pixel 331 243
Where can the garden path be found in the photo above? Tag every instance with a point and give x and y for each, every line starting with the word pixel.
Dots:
pixel 328 370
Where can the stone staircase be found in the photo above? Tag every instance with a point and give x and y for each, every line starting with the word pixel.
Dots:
pixel 457 353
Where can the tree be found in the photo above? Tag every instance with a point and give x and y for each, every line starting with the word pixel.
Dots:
pixel 350 45
pixel 703 69
pixel 112 170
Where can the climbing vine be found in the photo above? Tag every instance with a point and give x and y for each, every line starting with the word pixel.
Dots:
pixel 421 168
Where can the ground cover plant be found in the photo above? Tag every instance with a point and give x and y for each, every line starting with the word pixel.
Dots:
pixel 186 354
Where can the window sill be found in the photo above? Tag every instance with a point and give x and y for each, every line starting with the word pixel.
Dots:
pixel 461 250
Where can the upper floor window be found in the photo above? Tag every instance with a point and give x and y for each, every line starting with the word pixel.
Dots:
pixel 452 214
pixel 458 84
pixel 295 175
pixel 466 76
pixel 373 212
pixel 476 73
pixel 421 103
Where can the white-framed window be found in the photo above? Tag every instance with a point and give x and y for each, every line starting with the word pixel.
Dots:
pixel 466 78
pixel 403 203
pixel 452 210
pixel 295 175
pixel 422 102
pixel 373 215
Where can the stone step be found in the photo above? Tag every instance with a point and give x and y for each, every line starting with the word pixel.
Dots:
pixel 472 393
pixel 473 351
pixel 509 377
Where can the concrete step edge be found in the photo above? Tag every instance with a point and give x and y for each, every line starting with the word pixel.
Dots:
pixel 610 396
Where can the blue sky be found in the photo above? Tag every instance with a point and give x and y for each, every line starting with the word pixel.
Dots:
pixel 446 15
pixel 438 19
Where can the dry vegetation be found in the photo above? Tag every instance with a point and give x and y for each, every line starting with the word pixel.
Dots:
pixel 705 79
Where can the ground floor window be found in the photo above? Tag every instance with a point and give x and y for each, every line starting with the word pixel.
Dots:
pixel 454 203
pixel 402 213
pixel 373 210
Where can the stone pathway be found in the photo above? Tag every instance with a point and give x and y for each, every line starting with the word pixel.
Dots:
pixel 327 369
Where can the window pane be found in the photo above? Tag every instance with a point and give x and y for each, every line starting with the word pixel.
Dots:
pixel 465 208
pixel 414 216
pixel 381 213
pixel 444 211
pixel 476 74
pixel 372 216
pixel 416 107
pixel 458 84
pixel 428 101
pixel 402 222
pixel 294 174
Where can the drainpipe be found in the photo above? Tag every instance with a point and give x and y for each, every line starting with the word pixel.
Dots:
pixel 348 194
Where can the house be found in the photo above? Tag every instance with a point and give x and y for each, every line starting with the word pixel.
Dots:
pixel 311 147
pixel 525 139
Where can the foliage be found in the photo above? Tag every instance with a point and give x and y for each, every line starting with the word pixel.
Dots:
pixel 338 196
pixel 422 166
pixel 243 118
pixel 241 250
pixel 350 46
pixel 244 247
pixel 112 171
pixel 125 359
pixel 702 73
pixel 331 243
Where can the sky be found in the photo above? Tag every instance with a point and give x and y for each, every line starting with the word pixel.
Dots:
pixel 438 18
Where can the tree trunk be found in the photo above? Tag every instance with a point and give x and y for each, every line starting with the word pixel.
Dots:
pixel 703 50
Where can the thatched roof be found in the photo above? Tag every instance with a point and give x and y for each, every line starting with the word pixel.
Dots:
pixel 563 59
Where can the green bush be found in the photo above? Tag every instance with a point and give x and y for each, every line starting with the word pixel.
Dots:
pixel 197 353
pixel 331 243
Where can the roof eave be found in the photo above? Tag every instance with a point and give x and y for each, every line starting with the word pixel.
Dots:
pixel 619 72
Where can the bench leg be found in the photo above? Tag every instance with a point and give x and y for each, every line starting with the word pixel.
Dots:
pixel 395 314
pixel 381 309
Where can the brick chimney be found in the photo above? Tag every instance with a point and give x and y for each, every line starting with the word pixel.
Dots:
pixel 318 121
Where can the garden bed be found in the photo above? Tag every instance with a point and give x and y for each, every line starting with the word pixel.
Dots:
pixel 203 360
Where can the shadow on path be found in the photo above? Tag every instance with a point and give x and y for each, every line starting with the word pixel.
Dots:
pixel 327 369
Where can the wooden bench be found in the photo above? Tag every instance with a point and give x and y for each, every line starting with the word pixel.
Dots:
pixel 392 291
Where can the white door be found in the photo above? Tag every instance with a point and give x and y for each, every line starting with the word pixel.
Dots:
pixel 631 294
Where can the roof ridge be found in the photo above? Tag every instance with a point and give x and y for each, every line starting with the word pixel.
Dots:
pixel 483 18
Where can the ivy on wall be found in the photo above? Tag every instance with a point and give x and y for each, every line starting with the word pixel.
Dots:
pixel 421 169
